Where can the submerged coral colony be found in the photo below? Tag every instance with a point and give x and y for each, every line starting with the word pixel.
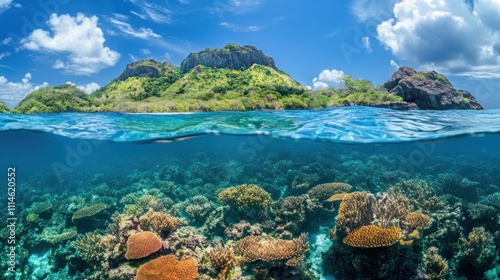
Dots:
pixel 293 219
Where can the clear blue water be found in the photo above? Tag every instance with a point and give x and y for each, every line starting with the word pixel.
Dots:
pixel 75 160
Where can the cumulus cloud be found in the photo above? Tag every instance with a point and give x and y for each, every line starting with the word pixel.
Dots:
pixel 88 88
pixel 328 78
pixel 126 28
pixel 13 92
pixel 80 37
pixel 446 35
pixel 4 5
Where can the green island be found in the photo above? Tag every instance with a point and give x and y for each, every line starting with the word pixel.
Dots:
pixel 240 78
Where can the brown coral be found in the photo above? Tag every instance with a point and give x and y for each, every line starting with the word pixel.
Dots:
pixel 322 192
pixel 142 244
pixel 246 197
pixel 254 248
pixel 223 259
pixel 434 265
pixel 372 236
pixel 160 222
pixel 168 268
pixel 418 220
pixel 337 197
pixel 89 211
pixel 356 210
pixel 91 246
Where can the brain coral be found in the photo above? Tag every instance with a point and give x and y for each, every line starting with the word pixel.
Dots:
pixel 245 197
pixel 168 268
pixel 372 236
pixel 142 244
pixel 322 192
pixel 89 211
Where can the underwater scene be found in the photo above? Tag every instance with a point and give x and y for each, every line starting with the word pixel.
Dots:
pixel 342 193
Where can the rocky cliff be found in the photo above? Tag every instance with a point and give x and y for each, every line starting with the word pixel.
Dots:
pixel 147 68
pixel 231 56
pixel 429 91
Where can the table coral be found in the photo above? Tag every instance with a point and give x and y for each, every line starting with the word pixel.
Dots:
pixel 142 244
pixel 89 211
pixel 373 236
pixel 254 248
pixel 168 268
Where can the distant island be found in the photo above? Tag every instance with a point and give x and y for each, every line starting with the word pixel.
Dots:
pixel 240 78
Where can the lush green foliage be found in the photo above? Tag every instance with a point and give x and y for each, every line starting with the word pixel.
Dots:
pixel 201 89
pixel 64 98
pixel 3 107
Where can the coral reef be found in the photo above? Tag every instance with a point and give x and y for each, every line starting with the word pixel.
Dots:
pixel 223 259
pixel 324 191
pixel 40 207
pixel 160 222
pixel 433 266
pixel 142 244
pixel 89 211
pixel 480 250
pixel 168 268
pixel 92 246
pixel 49 235
pixel 254 248
pixel 248 199
pixel 373 236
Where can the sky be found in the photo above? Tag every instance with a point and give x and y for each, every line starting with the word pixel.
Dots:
pixel 317 42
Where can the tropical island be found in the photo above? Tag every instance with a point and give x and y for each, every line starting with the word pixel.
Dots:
pixel 240 78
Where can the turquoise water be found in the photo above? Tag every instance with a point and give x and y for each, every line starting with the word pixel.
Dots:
pixel 445 164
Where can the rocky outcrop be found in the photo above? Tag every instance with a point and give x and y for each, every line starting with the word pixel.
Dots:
pixel 429 90
pixel 145 68
pixel 231 56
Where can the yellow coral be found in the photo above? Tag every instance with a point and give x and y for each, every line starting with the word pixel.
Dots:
pixel 32 217
pixel 372 236
pixel 337 197
pixel 355 210
pixel 418 220
pixel 223 259
pixel 245 197
pixel 322 192
pixel 89 211
pixel 254 248
pixel 160 222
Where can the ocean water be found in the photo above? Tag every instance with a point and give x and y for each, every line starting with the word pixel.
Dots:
pixel 78 186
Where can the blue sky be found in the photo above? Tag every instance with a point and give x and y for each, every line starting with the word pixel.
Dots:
pixel 88 43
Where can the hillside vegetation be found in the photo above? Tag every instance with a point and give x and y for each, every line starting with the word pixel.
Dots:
pixel 240 78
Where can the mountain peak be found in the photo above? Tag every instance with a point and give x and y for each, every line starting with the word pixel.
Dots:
pixel 231 56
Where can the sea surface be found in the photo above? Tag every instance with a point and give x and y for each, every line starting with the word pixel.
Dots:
pixel 230 175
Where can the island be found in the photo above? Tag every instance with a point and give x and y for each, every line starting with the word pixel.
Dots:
pixel 240 78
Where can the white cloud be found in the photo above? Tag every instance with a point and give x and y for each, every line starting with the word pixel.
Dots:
pixel 145 51
pixel 90 87
pixel 394 65
pixel 366 43
pixel 4 54
pixel 6 41
pixel 80 37
pixel 234 7
pixel 126 28
pixel 251 28
pixel 366 10
pixel 446 35
pixel 4 5
pixel 152 11
pixel 13 92
pixel 328 78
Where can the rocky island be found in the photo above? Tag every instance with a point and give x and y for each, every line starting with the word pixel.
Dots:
pixel 241 78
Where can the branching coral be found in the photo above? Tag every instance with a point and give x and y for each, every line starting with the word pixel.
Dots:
pixel 160 222
pixel 254 248
pixel 92 246
pixel 198 209
pixel 168 268
pixel 433 266
pixel 417 220
pixel 372 236
pixel 89 211
pixel 356 210
pixel 390 209
pixel 322 192
pixel 141 245
pixel 290 209
pixel 493 199
pixel 246 198
pixel 223 259
pixel 480 247
pixel 420 194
